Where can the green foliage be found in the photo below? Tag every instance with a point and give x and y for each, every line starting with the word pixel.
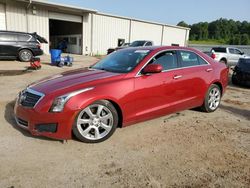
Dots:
pixel 183 24
pixel 208 41
pixel 244 39
pixel 228 31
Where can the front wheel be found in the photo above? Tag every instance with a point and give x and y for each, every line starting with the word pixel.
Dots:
pixel 96 123
pixel 212 99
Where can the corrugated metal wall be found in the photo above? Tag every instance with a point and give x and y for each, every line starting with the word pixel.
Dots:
pixel 146 31
pixel 86 34
pixel 20 19
pixel 172 35
pixel 100 31
pixel 2 17
pixel 108 29
pixel 42 28
pixel 16 17
pixel 106 32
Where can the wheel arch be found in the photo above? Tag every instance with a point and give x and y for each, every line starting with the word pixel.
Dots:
pixel 223 59
pixel 24 49
pixel 219 85
pixel 119 111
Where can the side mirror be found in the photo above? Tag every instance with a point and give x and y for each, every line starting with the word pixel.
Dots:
pixel 152 68
pixel 242 53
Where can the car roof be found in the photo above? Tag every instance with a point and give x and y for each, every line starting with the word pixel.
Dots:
pixel 16 32
pixel 159 48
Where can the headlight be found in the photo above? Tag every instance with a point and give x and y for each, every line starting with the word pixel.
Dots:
pixel 59 102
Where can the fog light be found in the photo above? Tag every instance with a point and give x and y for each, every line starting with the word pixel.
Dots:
pixel 49 127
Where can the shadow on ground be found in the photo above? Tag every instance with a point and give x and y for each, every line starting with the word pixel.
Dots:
pixel 241 112
pixel 14 72
pixel 9 117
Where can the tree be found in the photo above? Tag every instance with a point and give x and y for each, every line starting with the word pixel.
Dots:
pixel 183 24
pixel 244 39
pixel 230 31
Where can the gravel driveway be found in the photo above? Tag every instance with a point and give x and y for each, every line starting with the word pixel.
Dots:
pixel 186 149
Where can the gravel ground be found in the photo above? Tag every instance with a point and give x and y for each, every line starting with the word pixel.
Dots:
pixel 186 149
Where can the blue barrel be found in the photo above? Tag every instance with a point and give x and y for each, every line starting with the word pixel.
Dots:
pixel 55 56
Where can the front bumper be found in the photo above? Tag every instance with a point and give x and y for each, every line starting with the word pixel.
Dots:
pixel 33 121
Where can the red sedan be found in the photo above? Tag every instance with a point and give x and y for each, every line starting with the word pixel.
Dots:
pixel 128 86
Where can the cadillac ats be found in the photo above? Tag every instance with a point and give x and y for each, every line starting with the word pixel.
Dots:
pixel 128 86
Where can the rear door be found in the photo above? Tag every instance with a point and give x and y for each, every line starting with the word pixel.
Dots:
pixel 191 79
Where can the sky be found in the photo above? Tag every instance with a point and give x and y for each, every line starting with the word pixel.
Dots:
pixel 169 11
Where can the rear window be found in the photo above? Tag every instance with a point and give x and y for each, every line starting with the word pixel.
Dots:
pixel 188 59
pixel 24 38
pixel 221 50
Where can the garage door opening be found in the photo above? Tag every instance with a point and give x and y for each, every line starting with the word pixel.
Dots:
pixel 65 35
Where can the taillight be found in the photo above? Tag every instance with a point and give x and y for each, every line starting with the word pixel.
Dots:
pixel 213 55
pixel 38 45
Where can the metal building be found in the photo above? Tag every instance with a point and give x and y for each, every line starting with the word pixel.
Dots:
pixel 87 31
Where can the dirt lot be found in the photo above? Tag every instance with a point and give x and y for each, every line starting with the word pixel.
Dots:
pixel 186 149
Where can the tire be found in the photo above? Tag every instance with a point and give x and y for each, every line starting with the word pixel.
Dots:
pixel 96 123
pixel 25 55
pixel 235 80
pixel 212 99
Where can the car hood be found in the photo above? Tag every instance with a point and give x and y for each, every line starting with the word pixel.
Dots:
pixel 74 80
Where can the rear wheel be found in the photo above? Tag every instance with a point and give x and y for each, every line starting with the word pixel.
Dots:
pixel 212 99
pixel 96 123
pixel 25 55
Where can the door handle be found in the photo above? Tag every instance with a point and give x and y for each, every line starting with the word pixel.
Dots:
pixel 177 77
pixel 209 70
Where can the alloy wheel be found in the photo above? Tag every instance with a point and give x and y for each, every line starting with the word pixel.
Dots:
pixel 214 98
pixel 26 55
pixel 95 122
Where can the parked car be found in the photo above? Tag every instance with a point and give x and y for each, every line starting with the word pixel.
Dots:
pixel 226 55
pixel 241 72
pixel 129 86
pixel 20 45
pixel 137 43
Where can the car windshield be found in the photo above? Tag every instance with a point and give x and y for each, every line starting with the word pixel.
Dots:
pixel 137 43
pixel 244 64
pixel 122 61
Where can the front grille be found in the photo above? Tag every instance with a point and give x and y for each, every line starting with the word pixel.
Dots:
pixel 29 98
pixel 22 122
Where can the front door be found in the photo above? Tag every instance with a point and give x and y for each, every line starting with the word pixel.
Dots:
pixel 156 93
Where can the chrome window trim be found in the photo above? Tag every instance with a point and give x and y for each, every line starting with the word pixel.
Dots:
pixel 139 72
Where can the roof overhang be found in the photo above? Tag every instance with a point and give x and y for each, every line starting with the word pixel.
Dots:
pixel 58 6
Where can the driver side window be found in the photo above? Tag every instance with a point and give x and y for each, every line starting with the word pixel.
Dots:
pixel 168 60
pixel 237 52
